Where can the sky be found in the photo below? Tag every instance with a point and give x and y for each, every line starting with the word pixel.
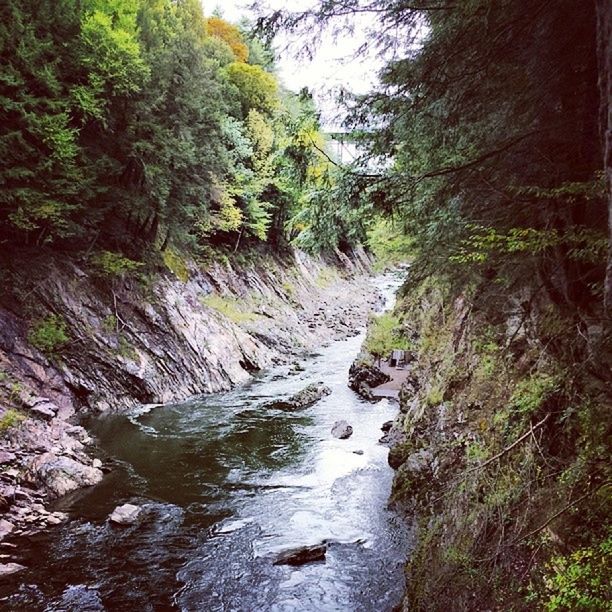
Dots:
pixel 333 65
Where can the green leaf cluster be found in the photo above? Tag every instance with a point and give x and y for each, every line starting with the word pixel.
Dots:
pixel 139 124
pixel 49 334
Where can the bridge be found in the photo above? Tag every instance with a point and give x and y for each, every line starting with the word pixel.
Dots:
pixel 341 146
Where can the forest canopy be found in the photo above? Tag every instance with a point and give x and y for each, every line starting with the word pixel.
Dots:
pixel 493 121
pixel 135 124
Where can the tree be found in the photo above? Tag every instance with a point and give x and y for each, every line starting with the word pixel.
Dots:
pixel 256 88
pixel 604 56
pixel 229 34
pixel 39 170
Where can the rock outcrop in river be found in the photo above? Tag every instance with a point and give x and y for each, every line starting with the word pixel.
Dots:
pixel 304 398
pixel 363 376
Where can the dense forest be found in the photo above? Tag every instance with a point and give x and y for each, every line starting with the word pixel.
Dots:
pixel 136 125
pixel 138 131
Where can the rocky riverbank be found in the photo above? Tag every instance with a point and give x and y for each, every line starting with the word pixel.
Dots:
pixel 490 467
pixel 127 342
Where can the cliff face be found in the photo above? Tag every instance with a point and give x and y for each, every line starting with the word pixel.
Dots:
pixel 72 340
pixel 500 449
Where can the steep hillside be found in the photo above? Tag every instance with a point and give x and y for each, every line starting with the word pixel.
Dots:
pixel 501 450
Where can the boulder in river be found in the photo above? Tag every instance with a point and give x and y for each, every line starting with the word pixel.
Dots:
pixel 302 555
pixel 127 514
pixel 62 474
pixel 364 376
pixel 342 430
pixel 304 398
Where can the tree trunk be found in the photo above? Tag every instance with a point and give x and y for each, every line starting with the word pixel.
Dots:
pixel 604 57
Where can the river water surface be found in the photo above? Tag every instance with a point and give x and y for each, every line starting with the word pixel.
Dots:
pixel 227 483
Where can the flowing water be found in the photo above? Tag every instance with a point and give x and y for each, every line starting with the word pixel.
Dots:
pixel 226 483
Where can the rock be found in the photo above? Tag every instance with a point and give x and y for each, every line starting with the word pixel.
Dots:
pixel 304 398
pixel 419 462
pixel 45 409
pixel 127 514
pixel 7 497
pixel 57 518
pixel 96 463
pixel 396 436
pixel 61 474
pixel 5 528
pixel 387 426
pixel 302 555
pixel 415 474
pixel 80 433
pixel 342 430
pixel 7 457
pixel 358 452
pixel 398 454
pixel 364 391
pixel 8 569
pixel 80 597
pixel 364 376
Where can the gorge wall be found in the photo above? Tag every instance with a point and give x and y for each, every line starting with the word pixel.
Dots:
pixel 500 449
pixel 73 340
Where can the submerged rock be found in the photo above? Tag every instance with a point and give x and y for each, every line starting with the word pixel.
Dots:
pixel 302 555
pixel 304 398
pixel 127 514
pixel 342 430
pixel 80 597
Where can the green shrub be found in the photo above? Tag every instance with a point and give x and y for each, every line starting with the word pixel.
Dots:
pixel 384 335
pixel 114 264
pixel 126 350
pixel 434 396
pixel 176 264
pixel 228 307
pixel 530 394
pixel 48 335
pixel 109 324
pixel 389 244
pixel 9 419
pixel 580 580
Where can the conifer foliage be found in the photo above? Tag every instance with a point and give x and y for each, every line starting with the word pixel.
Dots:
pixel 134 124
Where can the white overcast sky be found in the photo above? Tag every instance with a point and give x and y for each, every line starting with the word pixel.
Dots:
pixel 333 65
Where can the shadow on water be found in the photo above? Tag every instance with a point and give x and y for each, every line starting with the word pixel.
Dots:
pixel 225 483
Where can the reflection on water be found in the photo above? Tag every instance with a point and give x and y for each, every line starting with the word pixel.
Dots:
pixel 226 483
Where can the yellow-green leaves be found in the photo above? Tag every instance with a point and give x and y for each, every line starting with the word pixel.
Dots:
pixel 112 53
pixel 256 88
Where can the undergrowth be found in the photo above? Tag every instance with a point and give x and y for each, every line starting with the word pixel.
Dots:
pixel 236 311
pixel 513 509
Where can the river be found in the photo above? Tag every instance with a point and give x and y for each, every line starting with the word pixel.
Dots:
pixel 226 483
